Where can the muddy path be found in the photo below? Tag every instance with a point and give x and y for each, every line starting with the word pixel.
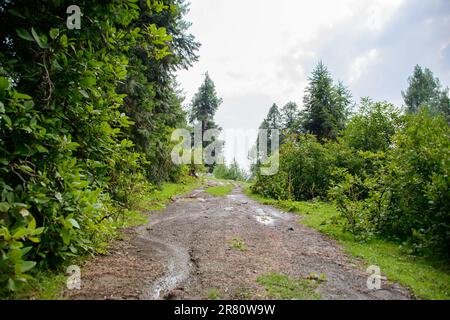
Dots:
pixel 184 252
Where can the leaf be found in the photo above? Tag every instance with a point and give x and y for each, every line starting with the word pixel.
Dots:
pixel 65 236
pixel 26 250
pixel 11 284
pixel 74 223
pixel 20 233
pixel 63 40
pixel 27 265
pixel 4 84
pixel 54 33
pixel 34 239
pixel 4 206
pixel 84 93
pixel 40 40
pixel 25 168
pixel 88 81
pixel 32 224
pixel 7 120
pixel 15 13
pixel 24 34
pixel 19 95
pixel 41 148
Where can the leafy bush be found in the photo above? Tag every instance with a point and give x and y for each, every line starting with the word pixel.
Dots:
pixel 408 198
pixel 85 120
pixel 304 171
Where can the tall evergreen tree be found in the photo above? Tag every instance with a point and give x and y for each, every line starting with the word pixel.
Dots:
pixel 205 104
pixel 203 109
pixel 425 90
pixel 342 102
pixel 272 121
pixel 273 118
pixel 325 104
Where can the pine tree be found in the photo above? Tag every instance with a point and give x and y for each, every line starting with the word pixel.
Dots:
pixel 325 104
pixel 203 109
pixel 205 104
pixel 273 118
pixel 424 90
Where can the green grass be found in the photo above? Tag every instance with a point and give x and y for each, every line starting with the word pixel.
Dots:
pixel 280 286
pixel 220 191
pixel 214 294
pixel 237 243
pixel 426 277
pixel 158 199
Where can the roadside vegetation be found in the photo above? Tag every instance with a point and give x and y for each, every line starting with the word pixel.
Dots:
pixel 373 176
pixel 50 284
pixel 426 277
pixel 86 118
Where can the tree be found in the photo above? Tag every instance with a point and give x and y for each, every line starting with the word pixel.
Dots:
pixel 231 172
pixel 424 90
pixel 373 127
pixel 84 114
pixel 153 100
pixel 290 117
pixel 271 122
pixel 325 104
pixel 342 102
pixel 205 104
pixel 273 118
pixel 203 109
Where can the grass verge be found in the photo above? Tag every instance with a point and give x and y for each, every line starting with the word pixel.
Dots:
pixel 280 286
pixel 219 191
pixel 426 277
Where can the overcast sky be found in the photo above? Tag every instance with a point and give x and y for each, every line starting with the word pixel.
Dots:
pixel 261 51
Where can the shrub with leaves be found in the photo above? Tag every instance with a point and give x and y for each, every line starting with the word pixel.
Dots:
pixel 72 148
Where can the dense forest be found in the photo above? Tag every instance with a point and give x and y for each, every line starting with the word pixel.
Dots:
pixel 386 169
pixel 85 122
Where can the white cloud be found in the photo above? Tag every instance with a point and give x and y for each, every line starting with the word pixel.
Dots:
pixel 361 63
pixel 261 51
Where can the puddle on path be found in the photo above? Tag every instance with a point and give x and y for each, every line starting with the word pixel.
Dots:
pixel 265 220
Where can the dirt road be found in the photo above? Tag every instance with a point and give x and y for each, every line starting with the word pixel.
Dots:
pixel 187 251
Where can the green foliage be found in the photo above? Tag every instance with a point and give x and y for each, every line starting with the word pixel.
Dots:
pixel 231 172
pixel 304 171
pixel 204 106
pixel 326 105
pixel 427 277
pixel 373 127
pixel 386 173
pixel 290 117
pixel 77 111
pixel 214 294
pixel 407 199
pixel 424 90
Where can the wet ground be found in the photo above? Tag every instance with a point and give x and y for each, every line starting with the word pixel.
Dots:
pixel 185 252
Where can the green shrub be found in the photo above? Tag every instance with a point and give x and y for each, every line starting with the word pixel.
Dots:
pixel 304 171
pixel 407 198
